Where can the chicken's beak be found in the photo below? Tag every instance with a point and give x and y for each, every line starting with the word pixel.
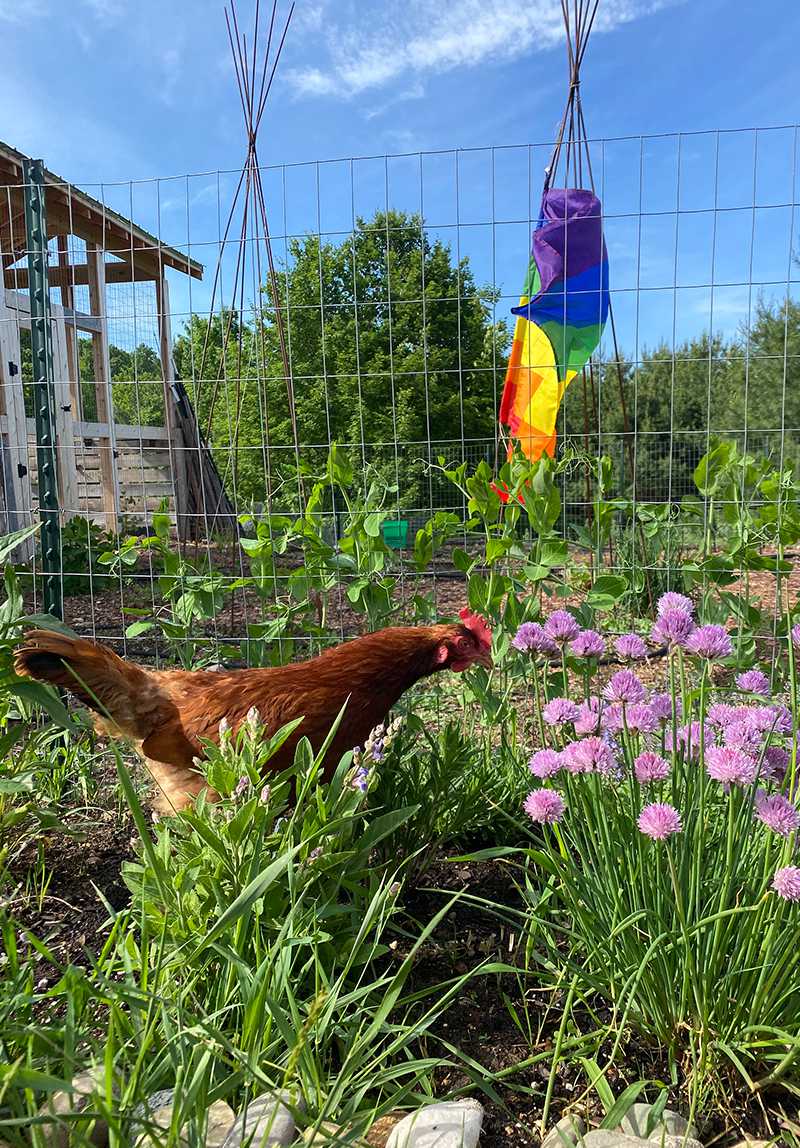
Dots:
pixel 484 658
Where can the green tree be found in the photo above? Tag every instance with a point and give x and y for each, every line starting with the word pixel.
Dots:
pixel 391 346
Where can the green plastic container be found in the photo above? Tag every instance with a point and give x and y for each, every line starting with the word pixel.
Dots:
pixel 395 533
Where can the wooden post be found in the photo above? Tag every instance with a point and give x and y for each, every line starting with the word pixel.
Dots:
pixel 177 446
pixel 66 461
pixel 109 477
pixel 68 301
pixel 15 474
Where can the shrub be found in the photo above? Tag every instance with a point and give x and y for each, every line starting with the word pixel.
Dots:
pixel 666 837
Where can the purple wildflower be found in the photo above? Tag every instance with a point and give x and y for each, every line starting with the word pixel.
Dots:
pixel 544 805
pixel 777 813
pixel 545 763
pixel 659 820
pixel 796 636
pixel 650 767
pixel 588 644
pixel 753 682
pixel 641 719
pixel 768 719
pixel 560 711
pixel 673 601
pixel 591 755
pixel 722 714
pixel 561 627
pixel 741 735
pixel 631 647
pixel 361 779
pixel 672 628
pixel 710 642
pixel 775 763
pixel 661 706
pixel 613 718
pixel 624 687
pixel 530 638
pixel 686 738
pixel 786 883
pixel 242 786
pixel 588 719
pixel 730 766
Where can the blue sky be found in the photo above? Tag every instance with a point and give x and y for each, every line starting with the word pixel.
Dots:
pixel 112 91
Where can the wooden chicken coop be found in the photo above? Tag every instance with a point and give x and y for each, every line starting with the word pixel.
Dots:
pixel 106 471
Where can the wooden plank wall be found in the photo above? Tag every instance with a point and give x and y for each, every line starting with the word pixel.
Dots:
pixel 143 473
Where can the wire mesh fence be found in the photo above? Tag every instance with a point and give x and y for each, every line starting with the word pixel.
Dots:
pixel 395 276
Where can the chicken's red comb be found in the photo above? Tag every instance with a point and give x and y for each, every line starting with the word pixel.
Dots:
pixel 478 625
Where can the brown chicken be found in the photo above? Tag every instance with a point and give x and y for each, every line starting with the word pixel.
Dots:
pixel 167 714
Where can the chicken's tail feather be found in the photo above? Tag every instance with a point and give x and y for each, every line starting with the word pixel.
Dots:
pixel 95 674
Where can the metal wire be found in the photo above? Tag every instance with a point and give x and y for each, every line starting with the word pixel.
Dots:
pixel 477 204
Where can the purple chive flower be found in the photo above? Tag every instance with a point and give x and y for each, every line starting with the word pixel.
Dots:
pixel 560 711
pixel 796 636
pixel 613 718
pixel 786 883
pixel 722 714
pixel 729 766
pixel 659 820
pixel 765 719
pixel 624 687
pixel 530 638
pixel 741 735
pixel 546 805
pixel 672 628
pixel 687 738
pixel 588 719
pixel 588 644
pixel 661 706
pixel 640 718
pixel 777 813
pixel 545 763
pixel 775 763
pixel 561 627
pixel 710 642
pixel 753 682
pixel 673 601
pixel 630 647
pixel 591 755
pixel 650 767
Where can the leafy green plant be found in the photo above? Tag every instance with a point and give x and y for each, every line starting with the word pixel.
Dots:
pixel 661 877
pixel 253 956
pixel 191 595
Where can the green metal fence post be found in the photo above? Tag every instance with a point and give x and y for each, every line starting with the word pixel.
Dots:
pixel 43 390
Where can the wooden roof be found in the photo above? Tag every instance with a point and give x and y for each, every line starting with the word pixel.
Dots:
pixel 71 211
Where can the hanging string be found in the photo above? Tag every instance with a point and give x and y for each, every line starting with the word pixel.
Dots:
pixel 255 72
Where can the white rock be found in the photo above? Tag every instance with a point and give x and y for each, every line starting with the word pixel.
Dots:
pixel 57 1134
pixel 604 1138
pixel 266 1120
pixel 220 1118
pixel 670 1123
pixel 566 1134
pixel 159 1121
pixel 450 1124
pixel 157 1111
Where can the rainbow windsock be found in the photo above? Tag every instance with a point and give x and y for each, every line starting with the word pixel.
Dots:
pixel 560 317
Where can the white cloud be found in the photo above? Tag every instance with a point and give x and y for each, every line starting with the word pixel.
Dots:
pixel 428 36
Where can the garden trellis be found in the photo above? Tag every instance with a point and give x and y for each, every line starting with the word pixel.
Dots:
pixel 397 275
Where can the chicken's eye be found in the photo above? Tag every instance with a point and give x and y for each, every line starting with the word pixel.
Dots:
pixel 463 643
